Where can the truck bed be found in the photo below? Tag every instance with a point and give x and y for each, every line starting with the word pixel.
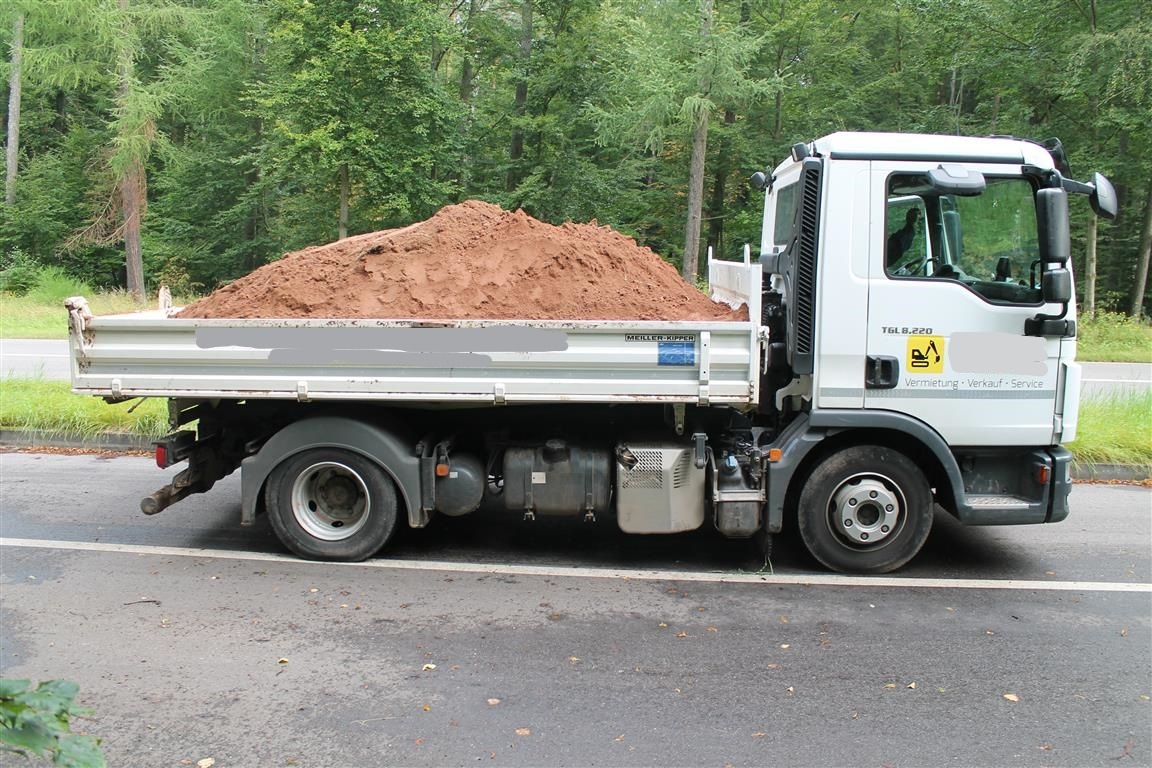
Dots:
pixel 150 354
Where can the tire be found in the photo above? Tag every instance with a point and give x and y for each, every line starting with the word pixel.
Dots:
pixel 331 504
pixel 865 509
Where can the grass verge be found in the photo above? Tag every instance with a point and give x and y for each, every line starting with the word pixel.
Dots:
pixel 40 313
pixel 1114 338
pixel 33 404
pixel 1113 430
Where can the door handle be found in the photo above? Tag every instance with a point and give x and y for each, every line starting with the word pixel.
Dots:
pixel 881 372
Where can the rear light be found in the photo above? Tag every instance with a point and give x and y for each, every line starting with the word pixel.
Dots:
pixel 162 456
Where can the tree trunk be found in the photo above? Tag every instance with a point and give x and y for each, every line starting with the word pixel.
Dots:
pixel 1142 259
pixel 132 191
pixel 467 70
pixel 516 151
pixel 342 231
pixel 696 169
pixel 1090 270
pixel 133 186
pixel 719 187
pixel 12 156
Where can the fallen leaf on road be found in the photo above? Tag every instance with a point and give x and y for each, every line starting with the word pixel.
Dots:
pixel 784 646
pixel 427 707
pixel 713 630
pixel 681 634
pixel 912 686
pixel 619 738
pixel 523 731
pixel 420 741
pixel 773 666
pixel 428 668
pixel 207 762
pixel 493 702
pixel 662 625
pixel 313 590
pixel 890 686
pixel 281 661
pixel 1011 697
pixel 791 689
pixel 1124 632
pixel 759 735
pixel 785 620
pixel 573 659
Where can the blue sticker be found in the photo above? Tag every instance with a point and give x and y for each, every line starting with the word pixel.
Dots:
pixel 677 353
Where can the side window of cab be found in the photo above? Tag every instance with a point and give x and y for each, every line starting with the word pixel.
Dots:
pixel 907 252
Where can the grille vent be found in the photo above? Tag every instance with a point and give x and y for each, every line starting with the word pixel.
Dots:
pixel 648 472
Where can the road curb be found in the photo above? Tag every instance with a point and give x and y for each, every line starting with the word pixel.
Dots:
pixel 1105 472
pixel 122 441
pixel 107 441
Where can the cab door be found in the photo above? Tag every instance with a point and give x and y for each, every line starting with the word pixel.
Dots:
pixel 945 338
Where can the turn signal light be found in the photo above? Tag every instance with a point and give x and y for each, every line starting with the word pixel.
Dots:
pixel 775 454
pixel 1043 475
pixel 441 470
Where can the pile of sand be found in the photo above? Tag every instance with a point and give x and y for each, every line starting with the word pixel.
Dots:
pixel 470 261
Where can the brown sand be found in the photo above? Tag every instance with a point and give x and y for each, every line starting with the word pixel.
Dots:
pixel 470 261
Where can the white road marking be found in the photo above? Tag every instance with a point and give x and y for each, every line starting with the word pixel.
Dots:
pixel 812 580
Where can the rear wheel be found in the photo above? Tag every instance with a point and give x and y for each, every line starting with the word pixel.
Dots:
pixel 865 509
pixel 331 504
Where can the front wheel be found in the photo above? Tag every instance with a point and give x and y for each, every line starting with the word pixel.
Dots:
pixel 865 509
pixel 331 504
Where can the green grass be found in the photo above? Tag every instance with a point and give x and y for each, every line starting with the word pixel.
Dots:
pixel 33 404
pixel 1115 338
pixel 1115 429
pixel 40 313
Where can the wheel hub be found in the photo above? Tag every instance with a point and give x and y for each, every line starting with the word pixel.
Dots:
pixel 330 501
pixel 865 511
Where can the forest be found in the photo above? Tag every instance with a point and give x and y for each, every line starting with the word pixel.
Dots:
pixel 187 142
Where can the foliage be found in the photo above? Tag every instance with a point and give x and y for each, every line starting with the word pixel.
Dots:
pixel 252 119
pixel 37 722
pixel 19 273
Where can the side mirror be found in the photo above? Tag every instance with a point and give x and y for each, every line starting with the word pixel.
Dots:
pixel 1055 243
pixel 758 180
pixel 1056 286
pixel 1103 197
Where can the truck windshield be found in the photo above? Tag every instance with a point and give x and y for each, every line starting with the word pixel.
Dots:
pixel 987 242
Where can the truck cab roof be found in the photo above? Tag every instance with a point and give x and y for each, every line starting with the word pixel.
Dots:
pixel 849 145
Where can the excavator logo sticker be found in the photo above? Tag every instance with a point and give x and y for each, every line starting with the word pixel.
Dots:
pixel 925 354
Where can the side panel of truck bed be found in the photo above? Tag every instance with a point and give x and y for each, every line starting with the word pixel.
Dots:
pixel 149 354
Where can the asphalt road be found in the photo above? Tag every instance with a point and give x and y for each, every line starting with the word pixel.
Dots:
pixel 48 359
pixel 493 641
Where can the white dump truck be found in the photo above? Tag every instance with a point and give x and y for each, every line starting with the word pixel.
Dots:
pixel 910 343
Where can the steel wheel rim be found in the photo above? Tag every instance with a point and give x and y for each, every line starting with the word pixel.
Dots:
pixel 866 511
pixel 330 501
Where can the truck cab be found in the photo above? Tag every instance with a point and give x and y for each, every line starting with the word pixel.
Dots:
pixel 921 290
